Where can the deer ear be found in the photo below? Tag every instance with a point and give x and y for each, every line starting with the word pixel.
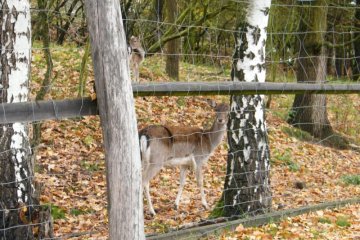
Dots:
pixel 211 102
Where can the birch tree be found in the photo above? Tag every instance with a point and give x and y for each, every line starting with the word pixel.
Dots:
pixel 247 182
pixel 16 190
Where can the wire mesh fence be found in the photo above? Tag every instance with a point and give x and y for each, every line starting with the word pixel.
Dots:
pixel 69 172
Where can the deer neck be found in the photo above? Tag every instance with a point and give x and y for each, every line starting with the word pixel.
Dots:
pixel 216 133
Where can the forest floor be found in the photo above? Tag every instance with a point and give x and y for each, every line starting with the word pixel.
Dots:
pixel 71 167
pixel 341 223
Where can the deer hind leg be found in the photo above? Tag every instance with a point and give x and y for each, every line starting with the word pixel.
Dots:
pixel 148 198
pixel 199 179
pixel 183 172
pixel 149 174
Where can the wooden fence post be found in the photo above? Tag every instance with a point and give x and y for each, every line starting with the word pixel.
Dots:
pixel 116 106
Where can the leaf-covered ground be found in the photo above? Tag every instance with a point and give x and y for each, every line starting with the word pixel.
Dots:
pixel 71 166
pixel 70 160
pixel 338 224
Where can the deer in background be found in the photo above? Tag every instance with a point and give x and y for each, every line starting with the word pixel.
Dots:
pixel 137 56
pixel 186 147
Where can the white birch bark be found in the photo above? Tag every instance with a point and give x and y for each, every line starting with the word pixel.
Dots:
pixel 15 158
pixel 17 91
pixel 247 187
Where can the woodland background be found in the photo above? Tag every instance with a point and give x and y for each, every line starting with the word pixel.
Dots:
pixel 194 41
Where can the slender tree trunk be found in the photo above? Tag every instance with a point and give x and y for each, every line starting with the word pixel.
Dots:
pixel 309 110
pixel 70 17
pixel 356 44
pixel 128 26
pixel 45 86
pixel 18 216
pixel 330 63
pixel 118 120
pixel 340 62
pixel 158 6
pixel 247 182
pixel 83 69
pixel 172 47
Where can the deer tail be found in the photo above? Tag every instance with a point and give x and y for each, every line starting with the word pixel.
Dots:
pixel 145 151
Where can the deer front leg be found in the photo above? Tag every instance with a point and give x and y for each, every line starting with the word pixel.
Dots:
pixel 183 172
pixel 148 198
pixel 199 179
pixel 136 72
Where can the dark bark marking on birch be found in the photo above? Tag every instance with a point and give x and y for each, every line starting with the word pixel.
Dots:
pixel 266 11
pixel 250 55
pixel 256 33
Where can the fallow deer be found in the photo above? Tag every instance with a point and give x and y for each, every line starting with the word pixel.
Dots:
pixel 186 147
pixel 137 56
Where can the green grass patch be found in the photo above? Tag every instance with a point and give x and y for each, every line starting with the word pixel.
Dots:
pixel 280 114
pixel 57 212
pixel 273 230
pixel 181 101
pixel 315 233
pixel 92 167
pixel 77 212
pixel 343 221
pixel 293 166
pixel 351 179
pixel 218 210
pixel 88 140
pixel 324 220
pixel 343 112
pixel 282 105
pixel 153 69
pixel 160 227
pixel 284 159
pixel 39 168
pixel 297 133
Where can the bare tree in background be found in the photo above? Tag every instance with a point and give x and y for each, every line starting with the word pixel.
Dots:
pixel 309 110
pixel 356 44
pixel 172 47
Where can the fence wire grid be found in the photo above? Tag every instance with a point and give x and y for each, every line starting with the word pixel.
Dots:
pixel 188 42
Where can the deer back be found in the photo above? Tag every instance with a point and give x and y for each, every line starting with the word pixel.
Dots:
pixel 155 133
pixel 189 141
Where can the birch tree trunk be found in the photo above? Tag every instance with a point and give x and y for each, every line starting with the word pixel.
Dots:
pixel 247 182
pixel 309 111
pixel 16 168
pixel 118 121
